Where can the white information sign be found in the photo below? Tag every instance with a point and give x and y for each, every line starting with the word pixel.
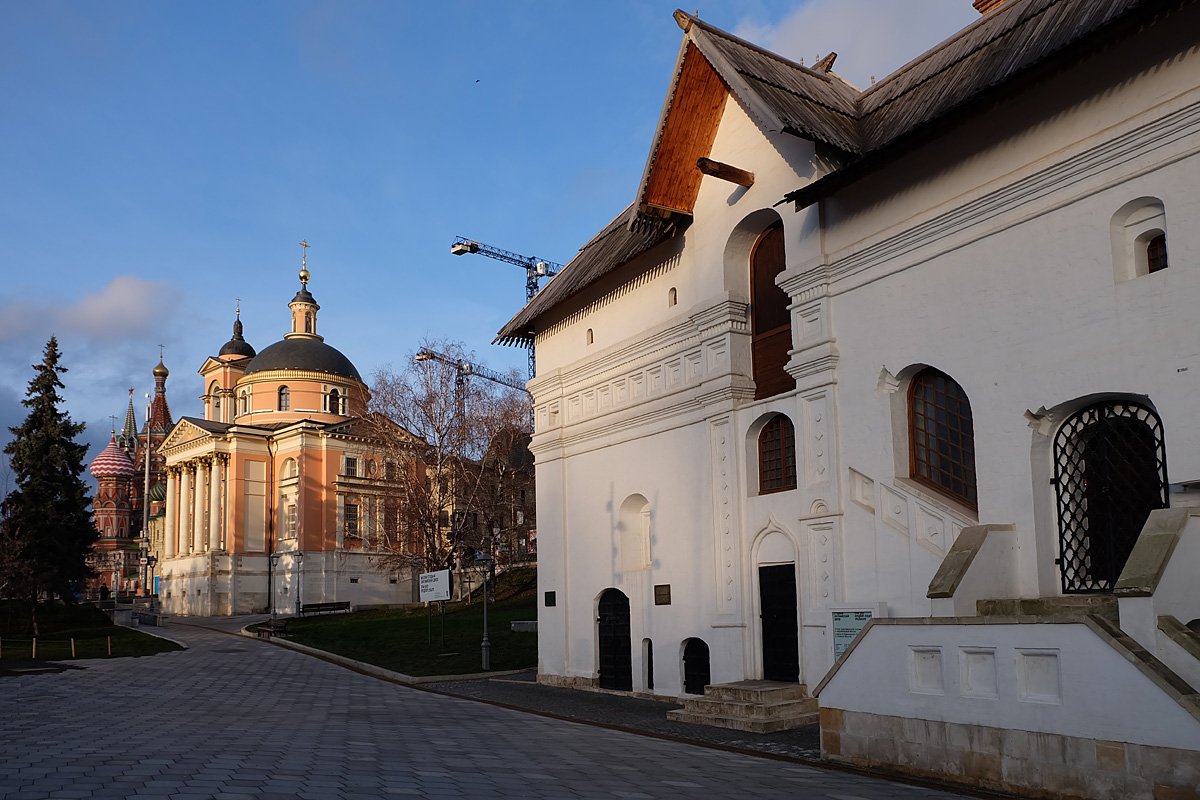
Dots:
pixel 847 621
pixel 435 585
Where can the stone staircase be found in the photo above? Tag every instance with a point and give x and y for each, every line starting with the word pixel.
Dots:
pixel 1065 608
pixel 752 706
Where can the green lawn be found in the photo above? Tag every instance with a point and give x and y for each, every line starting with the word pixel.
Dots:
pixel 91 630
pixel 410 643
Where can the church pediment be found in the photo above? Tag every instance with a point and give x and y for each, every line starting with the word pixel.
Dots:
pixel 187 431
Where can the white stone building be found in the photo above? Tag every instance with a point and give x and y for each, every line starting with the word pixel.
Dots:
pixel 882 354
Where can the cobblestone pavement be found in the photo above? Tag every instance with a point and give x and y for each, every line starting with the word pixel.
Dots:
pixel 237 718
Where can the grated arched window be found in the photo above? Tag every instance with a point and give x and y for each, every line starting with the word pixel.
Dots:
pixel 777 456
pixel 941 436
pixel 285 399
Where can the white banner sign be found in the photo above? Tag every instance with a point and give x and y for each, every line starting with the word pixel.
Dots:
pixel 435 585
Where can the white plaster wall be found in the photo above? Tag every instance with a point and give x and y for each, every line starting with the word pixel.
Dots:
pixel 1100 693
pixel 1013 292
pixel 631 416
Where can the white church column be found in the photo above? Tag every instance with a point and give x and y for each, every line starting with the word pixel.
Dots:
pixel 170 533
pixel 214 504
pixel 185 508
pixel 199 540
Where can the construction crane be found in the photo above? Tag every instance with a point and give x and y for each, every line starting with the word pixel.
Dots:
pixel 535 269
pixel 465 369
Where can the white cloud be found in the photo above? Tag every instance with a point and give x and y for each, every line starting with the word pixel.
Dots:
pixel 871 37
pixel 126 307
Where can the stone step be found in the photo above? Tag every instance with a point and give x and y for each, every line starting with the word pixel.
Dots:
pixel 1066 607
pixel 756 691
pixel 745 710
pixel 743 724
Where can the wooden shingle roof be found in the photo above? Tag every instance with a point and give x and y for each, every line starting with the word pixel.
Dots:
pixel 624 238
pixel 998 51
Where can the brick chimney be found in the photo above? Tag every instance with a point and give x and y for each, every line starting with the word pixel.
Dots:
pixel 984 6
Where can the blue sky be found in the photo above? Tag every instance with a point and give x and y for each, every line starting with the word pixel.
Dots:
pixel 159 160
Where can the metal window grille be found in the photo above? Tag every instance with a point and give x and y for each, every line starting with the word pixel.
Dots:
pixel 942 436
pixel 1110 470
pixel 777 456
pixel 285 399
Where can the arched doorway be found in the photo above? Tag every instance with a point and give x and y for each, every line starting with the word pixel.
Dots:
pixel 696 674
pixel 780 634
pixel 1110 470
pixel 616 662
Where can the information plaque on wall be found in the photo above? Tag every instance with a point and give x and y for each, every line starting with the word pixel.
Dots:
pixel 847 622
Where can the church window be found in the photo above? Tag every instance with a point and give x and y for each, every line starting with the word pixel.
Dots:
pixel 1156 253
pixel 351 519
pixel 777 456
pixel 289 469
pixel 308 323
pixel 351 467
pixel 1139 238
pixel 941 435
pixel 285 399
pixel 244 402
pixel 771 326
pixel 333 402
pixel 672 297
pixel 590 337
pixel 291 521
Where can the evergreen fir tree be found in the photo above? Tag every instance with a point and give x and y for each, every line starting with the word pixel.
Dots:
pixel 47 518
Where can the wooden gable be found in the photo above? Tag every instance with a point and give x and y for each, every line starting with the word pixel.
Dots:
pixel 686 134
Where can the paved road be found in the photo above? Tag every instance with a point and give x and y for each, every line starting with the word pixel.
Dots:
pixel 236 718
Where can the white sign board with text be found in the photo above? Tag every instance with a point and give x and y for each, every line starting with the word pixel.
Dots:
pixel 846 622
pixel 435 585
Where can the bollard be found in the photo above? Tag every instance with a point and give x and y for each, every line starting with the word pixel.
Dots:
pixel 33 655
pixel 109 644
pixel 72 647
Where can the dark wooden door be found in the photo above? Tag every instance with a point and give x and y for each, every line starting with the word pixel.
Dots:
pixel 696 673
pixel 780 637
pixel 616 661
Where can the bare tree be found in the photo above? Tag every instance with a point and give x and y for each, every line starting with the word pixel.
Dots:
pixel 451 425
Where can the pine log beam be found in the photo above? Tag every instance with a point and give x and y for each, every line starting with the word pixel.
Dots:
pixel 725 172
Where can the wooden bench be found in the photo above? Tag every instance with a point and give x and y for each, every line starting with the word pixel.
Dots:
pixel 273 627
pixel 325 608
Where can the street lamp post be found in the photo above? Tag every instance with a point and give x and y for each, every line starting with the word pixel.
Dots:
pixel 144 559
pixel 299 556
pixel 486 646
pixel 272 563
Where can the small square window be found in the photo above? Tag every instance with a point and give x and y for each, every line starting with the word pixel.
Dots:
pixel 354 580
pixel 351 467
pixel 551 599
pixel 662 594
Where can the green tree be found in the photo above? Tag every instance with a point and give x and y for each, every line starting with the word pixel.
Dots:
pixel 46 520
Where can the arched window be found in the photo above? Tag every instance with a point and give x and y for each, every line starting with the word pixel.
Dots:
pixel 1110 472
pixel 214 392
pixel 244 402
pixel 308 323
pixel 590 337
pixel 777 456
pixel 285 399
pixel 672 296
pixel 334 402
pixel 771 322
pixel 941 436
pixel 1139 238
pixel 1156 253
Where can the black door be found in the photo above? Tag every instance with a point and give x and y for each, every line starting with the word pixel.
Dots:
pixel 616 662
pixel 695 666
pixel 780 640
pixel 1111 473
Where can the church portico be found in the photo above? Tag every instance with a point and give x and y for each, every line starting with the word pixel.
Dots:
pixel 277 499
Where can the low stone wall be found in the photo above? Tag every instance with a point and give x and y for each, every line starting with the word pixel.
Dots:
pixel 1040 765
pixel 568 681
